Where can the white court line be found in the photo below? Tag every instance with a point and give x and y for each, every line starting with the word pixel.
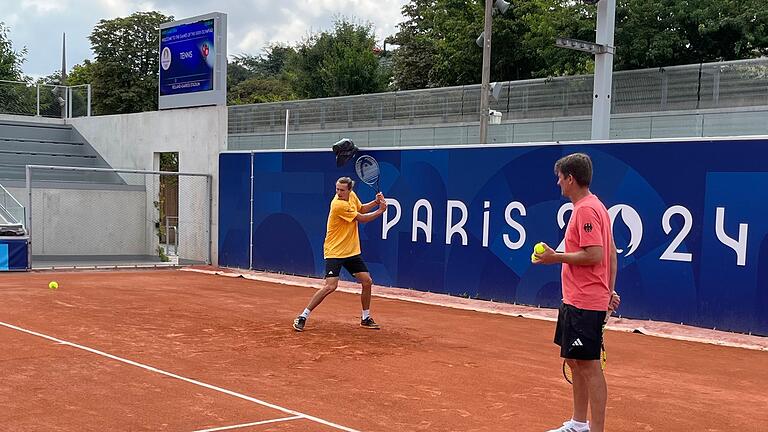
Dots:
pixel 249 424
pixel 179 377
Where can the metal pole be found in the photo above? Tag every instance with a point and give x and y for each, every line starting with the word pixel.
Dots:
pixel 29 214
pixel 250 226
pixel 485 87
pixel 38 100
pixel 287 118
pixel 209 180
pixel 69 102
pixel 601 104
pixel 89 100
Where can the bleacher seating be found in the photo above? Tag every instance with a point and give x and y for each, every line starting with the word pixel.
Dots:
pixel 36 143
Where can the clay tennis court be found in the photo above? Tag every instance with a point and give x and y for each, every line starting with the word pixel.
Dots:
pixel 169 350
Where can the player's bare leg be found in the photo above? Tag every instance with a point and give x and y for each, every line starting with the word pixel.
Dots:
pixel 580 391
pixel 366 282
pixel 330 286
pixel 365 299
pixel 594 380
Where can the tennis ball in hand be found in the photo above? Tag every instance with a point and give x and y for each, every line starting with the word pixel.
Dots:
pixel 53 285
pixel 539 248
pixel 533 258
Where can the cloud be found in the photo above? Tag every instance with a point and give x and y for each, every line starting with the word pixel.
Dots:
pixel 44 6
pixel 252 24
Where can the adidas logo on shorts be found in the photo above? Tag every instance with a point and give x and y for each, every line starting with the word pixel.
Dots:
pixel 577 342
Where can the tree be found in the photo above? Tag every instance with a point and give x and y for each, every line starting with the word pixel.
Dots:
pixel 655 33
pixel 14 98
pixel 256 79
pixel 437 42
pixel 10 60
pixel 337 63
pixel 81 74
pixel 413 61
pixel 125 71
pixel 259 90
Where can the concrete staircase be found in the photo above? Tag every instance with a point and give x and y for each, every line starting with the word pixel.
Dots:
pixel 41 143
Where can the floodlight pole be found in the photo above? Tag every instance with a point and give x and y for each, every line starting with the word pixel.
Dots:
pixel 601 104
pixel 485 93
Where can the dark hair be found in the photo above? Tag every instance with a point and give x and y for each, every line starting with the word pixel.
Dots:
pixel 578 165
pixel 347 181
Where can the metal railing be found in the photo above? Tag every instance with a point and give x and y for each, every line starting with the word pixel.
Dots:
pixel 45 100
pixel 12 211
pixel 732 84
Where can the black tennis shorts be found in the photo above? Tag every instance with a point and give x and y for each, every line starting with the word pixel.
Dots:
pixel 579 332
pixel 353 264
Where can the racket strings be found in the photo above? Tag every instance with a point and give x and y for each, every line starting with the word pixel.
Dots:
pixel 367 169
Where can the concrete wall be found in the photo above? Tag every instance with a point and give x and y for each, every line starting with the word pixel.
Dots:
pixel 197 134
pixel 32 119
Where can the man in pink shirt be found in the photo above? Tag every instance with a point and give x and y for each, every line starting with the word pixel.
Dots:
pixel 588 277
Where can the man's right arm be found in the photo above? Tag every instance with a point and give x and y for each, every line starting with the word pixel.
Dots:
pixel 367 217
pixel 615 299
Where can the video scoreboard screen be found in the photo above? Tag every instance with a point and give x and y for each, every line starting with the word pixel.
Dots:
pixel 193 62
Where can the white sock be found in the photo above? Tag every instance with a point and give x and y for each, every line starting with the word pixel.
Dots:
pixel 306 312
pixel 578 423
pixel 366 313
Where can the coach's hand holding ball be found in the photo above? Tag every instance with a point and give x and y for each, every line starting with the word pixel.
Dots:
pixel 541 254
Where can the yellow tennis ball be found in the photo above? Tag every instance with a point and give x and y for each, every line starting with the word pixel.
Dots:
pixel 53 285
pixel 539 248
pixel 533 258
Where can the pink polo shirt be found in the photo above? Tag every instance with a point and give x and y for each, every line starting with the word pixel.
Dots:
pixel 587 287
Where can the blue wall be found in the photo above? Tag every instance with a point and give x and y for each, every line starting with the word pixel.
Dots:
pixel 678 259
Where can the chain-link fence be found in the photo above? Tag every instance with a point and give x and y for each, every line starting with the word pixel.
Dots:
pixel 117 217
pixel 688 87
pixel 44 100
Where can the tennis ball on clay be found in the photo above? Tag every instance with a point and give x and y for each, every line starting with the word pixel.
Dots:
pixel 539 248
pixel 53 285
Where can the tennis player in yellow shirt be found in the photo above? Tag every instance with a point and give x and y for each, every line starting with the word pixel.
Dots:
pixel 342 248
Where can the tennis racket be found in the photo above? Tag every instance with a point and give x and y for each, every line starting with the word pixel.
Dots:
pixel 568 373
pixel 367 169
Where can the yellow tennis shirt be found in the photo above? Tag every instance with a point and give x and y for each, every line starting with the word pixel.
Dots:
pixel 341 238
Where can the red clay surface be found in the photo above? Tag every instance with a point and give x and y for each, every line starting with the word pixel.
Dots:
pixel 430 368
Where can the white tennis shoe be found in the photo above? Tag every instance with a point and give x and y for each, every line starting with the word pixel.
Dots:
pixel 572 426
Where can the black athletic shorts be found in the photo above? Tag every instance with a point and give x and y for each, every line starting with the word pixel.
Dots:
pixel 353 264
pixel 579 332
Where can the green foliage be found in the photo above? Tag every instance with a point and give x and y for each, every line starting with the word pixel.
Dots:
pixel 10 60
pixel 14 98
pixel 169 161
pixel 337 63
pixel 125 72
pixel 655 33
pixel 81 74
pixel 256 79
pixel 259 90
pixel 436 38
pixel 437 42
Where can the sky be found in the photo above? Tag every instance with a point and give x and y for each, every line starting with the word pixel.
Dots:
pixel 252 24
